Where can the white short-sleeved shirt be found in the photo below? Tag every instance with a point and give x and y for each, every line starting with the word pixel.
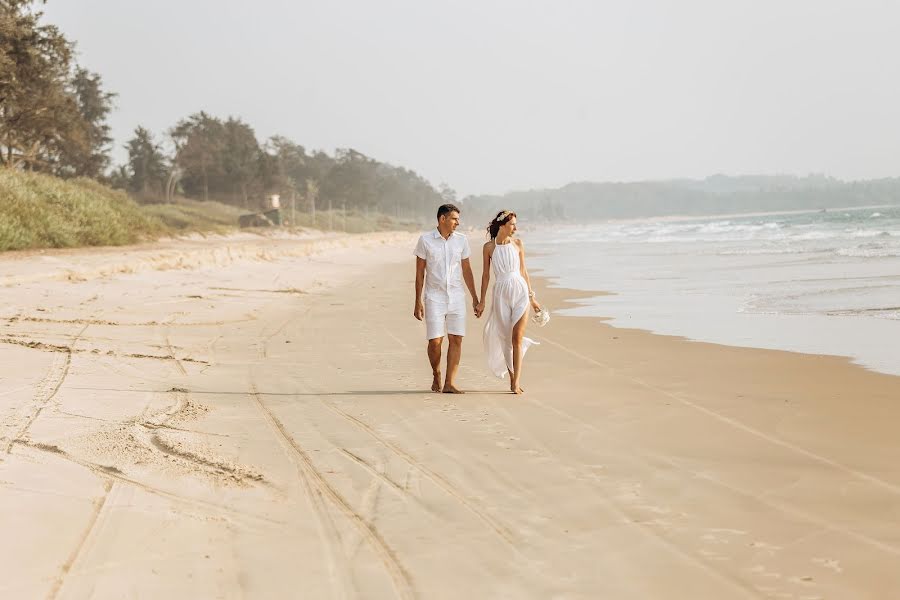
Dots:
pixel 444 287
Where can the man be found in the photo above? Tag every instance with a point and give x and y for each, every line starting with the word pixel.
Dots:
pixel 442 263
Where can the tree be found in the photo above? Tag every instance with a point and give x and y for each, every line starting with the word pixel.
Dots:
pixel 146 165
pixel 352 180
pixel 36 108
pixel 52 114
pixel 240 158
pixel 269 176
pixel 294 166
pixel 312 194
pixel 119 179
pixel 86 153
pixel 199 140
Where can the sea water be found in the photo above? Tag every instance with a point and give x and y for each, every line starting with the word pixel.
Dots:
pixel 821 282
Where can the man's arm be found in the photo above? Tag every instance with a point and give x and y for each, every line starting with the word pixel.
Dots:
pixel 470 280
pixel 419 310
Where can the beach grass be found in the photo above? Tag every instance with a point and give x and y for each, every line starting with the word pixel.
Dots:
pixel 186 216
pixel 352 221
pixel 41 211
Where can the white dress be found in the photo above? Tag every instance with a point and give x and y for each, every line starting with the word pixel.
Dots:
pixel 509 302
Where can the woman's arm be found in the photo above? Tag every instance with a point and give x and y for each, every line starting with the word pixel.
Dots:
pixel 524 272
pixel 485 271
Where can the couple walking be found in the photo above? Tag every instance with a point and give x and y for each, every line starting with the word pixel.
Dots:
pixel 442 265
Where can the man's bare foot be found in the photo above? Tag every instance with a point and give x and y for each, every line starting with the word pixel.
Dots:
pixel 436 384
pixel 449 388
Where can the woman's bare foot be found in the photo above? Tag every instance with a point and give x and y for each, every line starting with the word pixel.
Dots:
pixel 436 384
pixel 449 388
pixel 513 386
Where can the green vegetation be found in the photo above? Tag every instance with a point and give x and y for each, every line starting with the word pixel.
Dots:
pixel 40 211
pixel 353 221
pixel 185 216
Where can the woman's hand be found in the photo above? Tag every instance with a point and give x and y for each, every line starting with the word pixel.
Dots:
pixel 479 309
pixel 535 306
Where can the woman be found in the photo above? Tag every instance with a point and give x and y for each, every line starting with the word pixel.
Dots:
pixel 504 333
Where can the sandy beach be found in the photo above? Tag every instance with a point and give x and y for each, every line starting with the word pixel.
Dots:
pixel 249 418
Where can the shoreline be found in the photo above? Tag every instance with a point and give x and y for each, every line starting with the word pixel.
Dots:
pixel 266 426
pixel 574 299
pixel 811 286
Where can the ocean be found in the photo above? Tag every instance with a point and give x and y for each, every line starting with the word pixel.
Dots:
pixel 820 282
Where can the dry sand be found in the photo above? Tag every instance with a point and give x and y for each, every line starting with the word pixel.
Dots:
pixel 251 420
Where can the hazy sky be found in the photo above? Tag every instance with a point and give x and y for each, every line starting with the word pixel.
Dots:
pixel 491 96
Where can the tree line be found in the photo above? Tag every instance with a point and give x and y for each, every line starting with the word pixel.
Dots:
pixel 222 159
pixel 717 194
pixel 53 119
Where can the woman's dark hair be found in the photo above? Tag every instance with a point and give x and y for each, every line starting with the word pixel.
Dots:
pixel 499 221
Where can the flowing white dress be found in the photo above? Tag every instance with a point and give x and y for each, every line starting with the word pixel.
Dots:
pixel 509 302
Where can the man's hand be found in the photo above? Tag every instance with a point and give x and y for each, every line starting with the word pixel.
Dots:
pixel 479 308
pixel 419 311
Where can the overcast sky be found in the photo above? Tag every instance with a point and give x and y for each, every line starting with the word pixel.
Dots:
pixel 491 96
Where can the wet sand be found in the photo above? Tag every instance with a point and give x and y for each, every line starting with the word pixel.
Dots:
pixel 253 420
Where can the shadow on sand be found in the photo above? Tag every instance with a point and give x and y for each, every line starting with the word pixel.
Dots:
pixel 349 393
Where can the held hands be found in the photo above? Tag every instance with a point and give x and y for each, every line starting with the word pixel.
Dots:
pixel 479 308
pixel 419 311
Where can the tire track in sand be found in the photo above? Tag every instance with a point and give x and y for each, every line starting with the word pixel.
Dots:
pixel 738 424
pixel 113 473
pixel 97 516
pixel 436 478
pixel 782 507
pixel 53 380
pixel 400 579
pixel 172 352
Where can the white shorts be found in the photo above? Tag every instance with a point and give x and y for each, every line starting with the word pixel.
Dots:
pixel 439 322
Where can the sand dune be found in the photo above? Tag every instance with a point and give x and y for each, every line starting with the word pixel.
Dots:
pixel 199 423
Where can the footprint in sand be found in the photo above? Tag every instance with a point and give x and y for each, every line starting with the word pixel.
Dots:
pixel 829 563
pixel 710 555
pixel 769 549
pixel 658 510
pixel 762 571
pixel 629 491
pixel 802 580
pixel 721 535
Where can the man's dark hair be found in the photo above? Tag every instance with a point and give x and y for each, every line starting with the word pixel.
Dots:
pixel 445 209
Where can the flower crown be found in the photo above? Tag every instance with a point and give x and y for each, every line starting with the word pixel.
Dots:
pixel 503 215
